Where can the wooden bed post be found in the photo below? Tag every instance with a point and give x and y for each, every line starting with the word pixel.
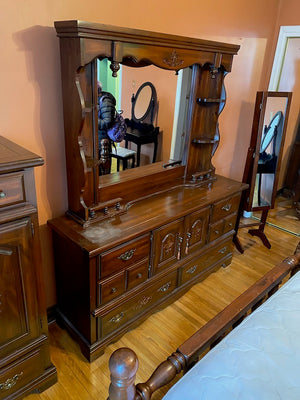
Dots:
pixel 123 365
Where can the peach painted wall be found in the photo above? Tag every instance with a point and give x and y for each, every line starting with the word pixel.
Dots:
pixel 31 103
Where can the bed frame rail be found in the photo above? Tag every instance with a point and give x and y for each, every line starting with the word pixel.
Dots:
pixel 123 363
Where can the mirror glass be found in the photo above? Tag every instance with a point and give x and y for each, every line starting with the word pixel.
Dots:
pixel 129 82
pixel 271 142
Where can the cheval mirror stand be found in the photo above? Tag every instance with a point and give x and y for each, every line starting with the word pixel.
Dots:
pixel 133 241
pixel 263 161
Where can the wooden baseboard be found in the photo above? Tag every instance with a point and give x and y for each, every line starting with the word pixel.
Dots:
pixel 51 314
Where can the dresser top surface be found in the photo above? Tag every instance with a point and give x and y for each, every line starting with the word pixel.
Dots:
pixel 145 215
pixel 15 157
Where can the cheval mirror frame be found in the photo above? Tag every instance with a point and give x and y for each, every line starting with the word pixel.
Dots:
pixel 268 133
pixel 92 198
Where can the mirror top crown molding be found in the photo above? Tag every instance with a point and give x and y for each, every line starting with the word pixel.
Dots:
pixel 120 36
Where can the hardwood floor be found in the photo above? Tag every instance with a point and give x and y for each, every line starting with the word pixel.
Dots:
pixel 156 338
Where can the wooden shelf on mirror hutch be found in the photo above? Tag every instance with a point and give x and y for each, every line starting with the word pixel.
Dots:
pixel 133 241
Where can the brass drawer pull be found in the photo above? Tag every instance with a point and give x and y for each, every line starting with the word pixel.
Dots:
pixel 180 240
pixel 165 287
pixel 230 224
pixel 5 252
pixel 188 238
pixel 223 250
pixel 127 255
pixel 227 207
pixel 10 382
pixel 113 290
pixel 2 195
pixel 117 318
pixel 192 270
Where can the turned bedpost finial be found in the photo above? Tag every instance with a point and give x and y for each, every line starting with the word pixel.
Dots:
pixel 123 364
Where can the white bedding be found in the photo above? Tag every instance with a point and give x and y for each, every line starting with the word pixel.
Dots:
pixel 258 360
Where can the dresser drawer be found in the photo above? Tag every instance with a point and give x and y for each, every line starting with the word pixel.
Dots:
pixel 200 265
pixel 110 288
pixel 16 375
pixel 12 189
pixel 137 304
pixel 225 207
pixel 229 223
pixel 124 256
pixel 221 227
pixel 137 274
pixel 217 252
pixel 216 230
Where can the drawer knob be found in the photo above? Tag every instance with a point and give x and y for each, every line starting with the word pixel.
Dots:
pixel 127 255
pixel 227 207
pixel 230 224
pixel 113 290
pixel 117 318
pixel 2 195
pixel 216 232
pixel 10 382
pixel 139 275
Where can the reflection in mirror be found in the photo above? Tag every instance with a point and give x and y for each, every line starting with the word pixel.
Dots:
pixel 127 84
pixel 270 145
pixel 144 103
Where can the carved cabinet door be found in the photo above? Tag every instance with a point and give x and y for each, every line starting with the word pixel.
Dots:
pixel 18 303
pixel 195 231
pixel 167 244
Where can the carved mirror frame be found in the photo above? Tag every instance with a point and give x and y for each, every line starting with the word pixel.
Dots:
pixel 91 197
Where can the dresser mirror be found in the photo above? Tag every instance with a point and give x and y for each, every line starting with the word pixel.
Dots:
pixel 150 95
pixel 92 197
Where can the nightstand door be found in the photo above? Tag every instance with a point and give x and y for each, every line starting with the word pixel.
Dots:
pixel 18 305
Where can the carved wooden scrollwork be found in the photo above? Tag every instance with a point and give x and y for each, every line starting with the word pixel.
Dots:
pixel 173 60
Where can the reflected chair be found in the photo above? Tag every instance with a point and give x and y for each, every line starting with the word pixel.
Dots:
pixel 123 155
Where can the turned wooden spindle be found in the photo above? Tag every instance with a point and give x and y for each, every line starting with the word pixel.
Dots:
pixel 123 364
pixel 163 375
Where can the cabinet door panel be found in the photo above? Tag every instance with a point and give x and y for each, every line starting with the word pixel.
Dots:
pixel 167 245
pixel 196 226
pixel 18 305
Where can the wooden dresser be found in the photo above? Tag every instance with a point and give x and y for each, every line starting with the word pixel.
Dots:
pixel 25 364
pixel 133 241
pixel 115 273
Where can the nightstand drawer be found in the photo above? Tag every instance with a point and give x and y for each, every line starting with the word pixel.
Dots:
pixel 12 189
pixel 124 256
pixel 137 304
pixel 110 288
pixel 225 207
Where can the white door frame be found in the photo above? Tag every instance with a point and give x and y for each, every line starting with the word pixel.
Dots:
pixel 285 33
